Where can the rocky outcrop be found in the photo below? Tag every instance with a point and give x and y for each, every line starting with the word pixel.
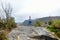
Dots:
pixel 28 33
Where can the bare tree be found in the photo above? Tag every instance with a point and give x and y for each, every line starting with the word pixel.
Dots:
pixel 7 10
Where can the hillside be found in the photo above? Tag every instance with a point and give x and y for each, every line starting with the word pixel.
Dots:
pixel 44 19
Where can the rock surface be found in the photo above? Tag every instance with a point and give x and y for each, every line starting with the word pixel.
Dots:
pixel 25 32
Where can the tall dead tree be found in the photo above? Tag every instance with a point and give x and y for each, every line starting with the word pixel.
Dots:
pixel 7 9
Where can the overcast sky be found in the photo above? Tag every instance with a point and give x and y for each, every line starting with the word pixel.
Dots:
pixel 34 8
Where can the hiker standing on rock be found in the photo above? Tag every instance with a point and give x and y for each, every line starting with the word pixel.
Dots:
pixel 29 22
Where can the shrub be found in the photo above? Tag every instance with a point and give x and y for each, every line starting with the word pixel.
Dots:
pixel 58 35
pixel 51 28
pixel 55 30
pixel 56 23
pixel 11 23
pixel 50 23
pixel 8 25
pixel 2 26
pixel 37 23
pixel 3 36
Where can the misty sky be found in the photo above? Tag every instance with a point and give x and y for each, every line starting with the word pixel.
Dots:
pixel 22 9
